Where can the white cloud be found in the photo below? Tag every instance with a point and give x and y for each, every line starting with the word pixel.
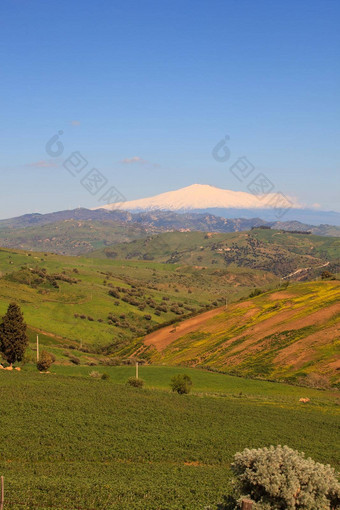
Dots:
pixel 134 159
pixel 140 161
pixel 43 164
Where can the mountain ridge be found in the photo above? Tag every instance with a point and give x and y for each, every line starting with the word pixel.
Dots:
pixel 228 204
pixel 200 196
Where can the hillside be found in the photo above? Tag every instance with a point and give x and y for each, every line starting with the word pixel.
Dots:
pixel 280 335
pixel 281 253
pixel 102 307
pixel 69 237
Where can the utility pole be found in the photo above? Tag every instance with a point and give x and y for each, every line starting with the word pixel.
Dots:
pixel 2 501
pixel 247 504
pixel 37 348
pixel 137 370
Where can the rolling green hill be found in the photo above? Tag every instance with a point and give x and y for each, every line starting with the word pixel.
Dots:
pixel 102 307
pixel 105 309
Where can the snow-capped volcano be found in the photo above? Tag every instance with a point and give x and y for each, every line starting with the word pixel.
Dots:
pixel 201 197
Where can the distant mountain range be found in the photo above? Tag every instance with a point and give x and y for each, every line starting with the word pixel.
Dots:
pixel 81 231
pixel 203 198
pixel 195 208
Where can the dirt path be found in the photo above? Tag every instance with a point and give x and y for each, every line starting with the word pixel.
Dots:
pixel 165 336
pixel 304 269
pixel 46 333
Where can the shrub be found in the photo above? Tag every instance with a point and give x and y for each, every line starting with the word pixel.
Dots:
pixel 114 293
pixel 105 376
pixel 74 360
pixel 181 383
pixel 314 380
pixel 255 292
pixel 95 374
pixel 135 383
pixel 45 361
pixel 281 478
pixel 325 275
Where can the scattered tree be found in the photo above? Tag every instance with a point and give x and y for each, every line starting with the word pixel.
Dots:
pixel 181 383
pixel 13 334
pixel 255 292
pixel 327 275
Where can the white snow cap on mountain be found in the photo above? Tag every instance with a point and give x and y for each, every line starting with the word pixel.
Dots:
pixel 201 196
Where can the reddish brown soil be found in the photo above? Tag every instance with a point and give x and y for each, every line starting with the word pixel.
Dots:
pixel 165 336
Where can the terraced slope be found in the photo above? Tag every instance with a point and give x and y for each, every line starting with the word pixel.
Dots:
pixel 281 335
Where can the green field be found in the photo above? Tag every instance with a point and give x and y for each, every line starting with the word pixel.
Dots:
pixel 72 442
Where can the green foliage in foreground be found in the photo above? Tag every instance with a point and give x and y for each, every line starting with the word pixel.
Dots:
pixel 84 443
pixel 281 478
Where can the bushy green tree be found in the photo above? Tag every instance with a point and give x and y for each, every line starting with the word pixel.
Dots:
pixel 13 334
pixel 45 361
pixel 181 383
pixel 279 478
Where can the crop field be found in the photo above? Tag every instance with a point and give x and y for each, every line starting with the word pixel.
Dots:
pixel 73 442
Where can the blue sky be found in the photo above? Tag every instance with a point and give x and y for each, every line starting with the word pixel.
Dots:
pixel 144 90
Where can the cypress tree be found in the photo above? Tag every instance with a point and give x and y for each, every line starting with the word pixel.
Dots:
pixel 13 336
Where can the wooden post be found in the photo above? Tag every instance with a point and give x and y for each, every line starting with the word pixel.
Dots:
pixel 37 348
pixel 2 502
pixel 247 504
pixel 136 369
